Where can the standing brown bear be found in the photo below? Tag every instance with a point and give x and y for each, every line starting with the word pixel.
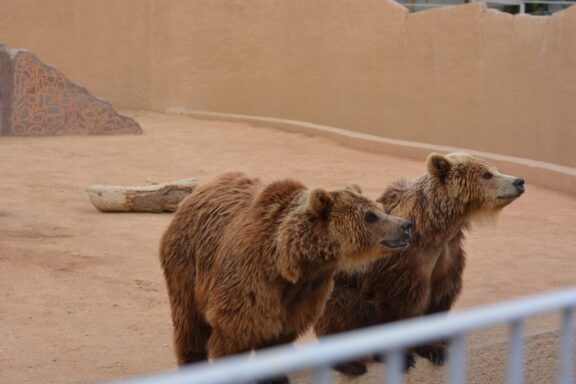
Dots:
pixel 249 266
pixel 427 276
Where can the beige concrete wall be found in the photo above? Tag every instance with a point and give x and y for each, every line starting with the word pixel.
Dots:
pixel 101 44
pixel 460 76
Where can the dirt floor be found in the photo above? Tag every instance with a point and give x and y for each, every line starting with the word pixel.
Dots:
pixel 82 295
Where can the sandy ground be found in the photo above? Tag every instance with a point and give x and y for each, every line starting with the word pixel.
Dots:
pixel 82 295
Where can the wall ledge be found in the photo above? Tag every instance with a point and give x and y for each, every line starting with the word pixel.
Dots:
pixel 553 176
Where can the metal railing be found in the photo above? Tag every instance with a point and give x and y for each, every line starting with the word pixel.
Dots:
pixel 390 341
pixel 521 4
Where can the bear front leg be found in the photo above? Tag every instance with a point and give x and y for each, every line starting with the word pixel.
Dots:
pixel 437 352
pixel 190 339
pixel 275 380
pixel 190 347
pixel 287 338
pixel 346 310
pixel 281 340
pixel 220 345
pixel 191 334
pixel 280 379
pixel 446 287
pixel 352 368
pixel 409 360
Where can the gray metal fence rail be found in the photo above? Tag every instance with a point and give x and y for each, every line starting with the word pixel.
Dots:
pixel 390 341
pixel 520 3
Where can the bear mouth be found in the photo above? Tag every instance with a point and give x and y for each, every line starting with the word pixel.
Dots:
pixel 510 196
pixel 519 191
pixel 395 244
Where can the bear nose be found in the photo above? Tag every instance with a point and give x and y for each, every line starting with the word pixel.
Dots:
pixel 519 183
pixel 407 227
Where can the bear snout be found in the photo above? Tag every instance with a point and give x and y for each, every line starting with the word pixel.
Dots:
pixel 406 226
pixel 401 238
pixel 519 184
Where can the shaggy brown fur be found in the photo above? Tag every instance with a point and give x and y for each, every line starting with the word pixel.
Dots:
pixel 249 266
pixel 426 277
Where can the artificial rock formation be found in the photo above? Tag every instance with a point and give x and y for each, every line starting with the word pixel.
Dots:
pixel 38 100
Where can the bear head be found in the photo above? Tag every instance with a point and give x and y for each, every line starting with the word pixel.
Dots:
pixel 340 229
pixel 472 185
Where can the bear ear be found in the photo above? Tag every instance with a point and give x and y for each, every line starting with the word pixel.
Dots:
pixel 354 188
pixel 319 203
pixel 438 165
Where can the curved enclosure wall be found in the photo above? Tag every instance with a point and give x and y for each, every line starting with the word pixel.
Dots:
pixel 462 76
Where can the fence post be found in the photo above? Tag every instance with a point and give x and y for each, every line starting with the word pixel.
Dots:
pixel 566 340
pixel 457 356
pixel 515 354
pixel 323 376
pixel 394 361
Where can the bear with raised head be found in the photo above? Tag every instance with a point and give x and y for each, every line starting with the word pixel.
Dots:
pixel 249 266
pixel 426 277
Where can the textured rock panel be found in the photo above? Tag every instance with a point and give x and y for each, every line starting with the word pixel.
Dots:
pixel 38 100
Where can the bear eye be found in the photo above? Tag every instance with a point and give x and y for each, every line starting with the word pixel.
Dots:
pixel 371 217
pixel 487 175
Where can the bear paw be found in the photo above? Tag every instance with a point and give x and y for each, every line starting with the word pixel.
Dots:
pixel 353 368
pixel 409 360
pixel 436 353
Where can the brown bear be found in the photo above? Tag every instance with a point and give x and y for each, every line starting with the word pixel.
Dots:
pixel 248 266
pixel 427 276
